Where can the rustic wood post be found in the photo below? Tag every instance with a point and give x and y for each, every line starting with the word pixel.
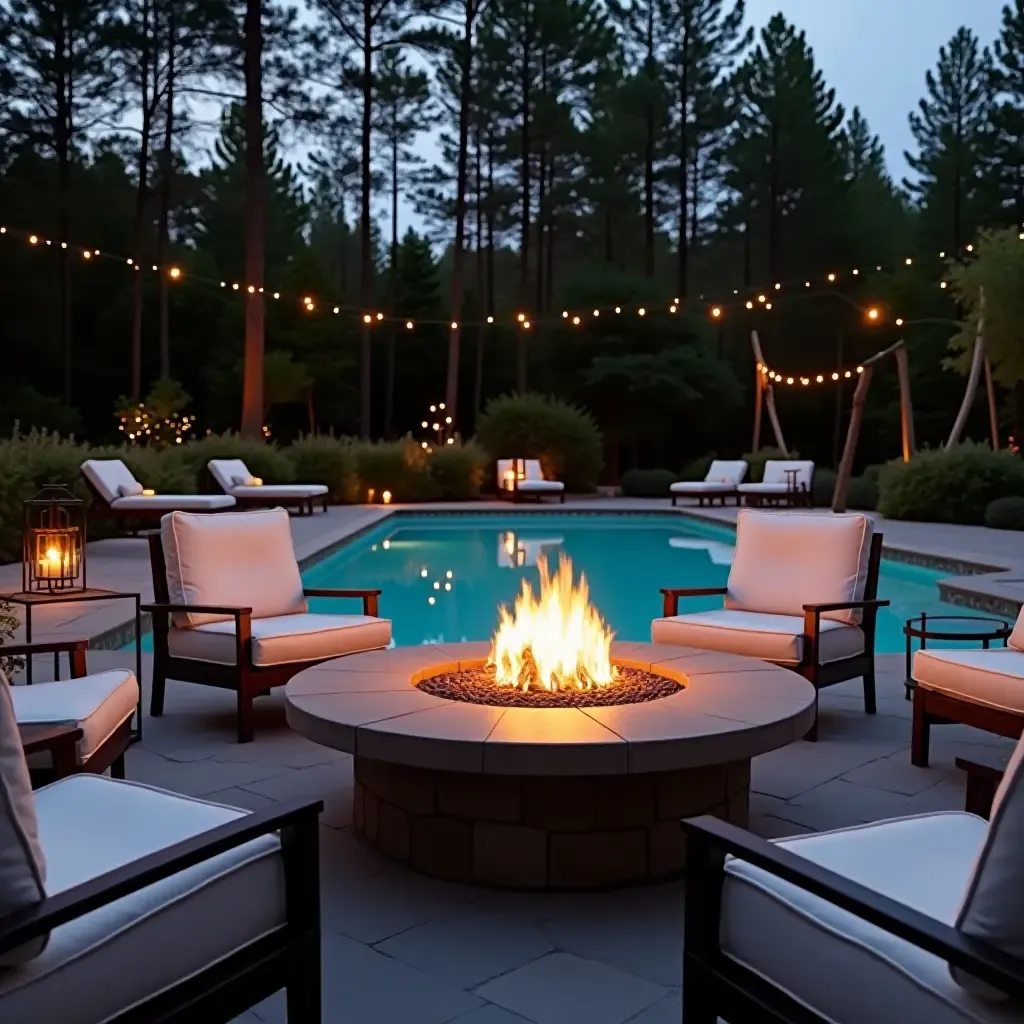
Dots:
pixel 906 410
pixel 758 405
pixel 860 395
pixel 769 396
pixel 973 377
pixel 993 408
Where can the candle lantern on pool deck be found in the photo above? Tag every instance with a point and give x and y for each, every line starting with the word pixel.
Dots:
pixel 53 551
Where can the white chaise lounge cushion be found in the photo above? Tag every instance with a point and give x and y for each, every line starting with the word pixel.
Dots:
pixel 994 678
pixel 111 959
pixel 701 487
pixel 779 472
pixel 243 559
pixel 993 905
pixel 173 503
pixel 283 639
pixel 227 471
pixel 111 478
pixel 786 560
pixel 722 475
pixel 533 477
pixel 776 638
pixel 97 704
pixel 834 962
pixel 22 861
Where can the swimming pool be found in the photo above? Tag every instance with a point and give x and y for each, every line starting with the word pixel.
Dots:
pixel 444 576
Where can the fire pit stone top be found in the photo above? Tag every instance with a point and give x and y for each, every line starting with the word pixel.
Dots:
pixel 728 708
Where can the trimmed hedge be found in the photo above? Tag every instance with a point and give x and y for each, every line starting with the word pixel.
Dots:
pixel 949 487
pixel 698 468
pixel 861 493
pixel 565 438
pixel 327 460
pixel 648 483
pixel 1005 514
pixel 265 460
pixel 458 471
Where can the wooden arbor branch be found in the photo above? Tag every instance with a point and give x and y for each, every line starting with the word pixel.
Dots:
pixel 973 377
pixel 766 394
pixel 860 395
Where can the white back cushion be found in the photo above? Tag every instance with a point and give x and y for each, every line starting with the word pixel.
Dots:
pixel 530 468
pixel 1016 640
pixel 993 906
pixel 533 470
pixel 227 471
pixel 234 559
pixel 785 560
pixel 109 476
pixel 724 472
pixel 775 472
pixel 22 866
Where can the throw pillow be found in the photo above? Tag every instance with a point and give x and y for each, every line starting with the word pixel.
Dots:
pixel 240 481
pixel 22 865
pixel 129 490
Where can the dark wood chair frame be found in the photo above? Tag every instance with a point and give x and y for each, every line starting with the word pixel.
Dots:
pixel 810 668
pixel 709 498
pixel 110 753
pixel 287 958
pixel 245 678
pixel 302 506
pixel 515 495
pixel 134 519
pixel 932 707
pixel 715 985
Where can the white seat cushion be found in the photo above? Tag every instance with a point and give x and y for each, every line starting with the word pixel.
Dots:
pixel 111 478
pixel 763 488
pixel 97 704
pixel 834 962
pixel 279 492
pixel 786 560
pixel 540 486
pixel 284 639
pixel 173 502
pixel 726 471
pixel 116 956
pixel 702 487
pixel 781 471
pixel 994 678
pixel 242 560
pixel 775 638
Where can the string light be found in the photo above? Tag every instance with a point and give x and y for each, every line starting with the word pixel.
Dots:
pixel 174 273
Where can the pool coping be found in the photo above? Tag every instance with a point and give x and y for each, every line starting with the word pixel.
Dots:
pixel 953 589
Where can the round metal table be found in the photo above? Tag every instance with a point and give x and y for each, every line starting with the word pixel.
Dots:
pixel 960 628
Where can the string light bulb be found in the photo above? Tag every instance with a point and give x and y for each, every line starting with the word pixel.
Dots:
pixel 716 311
pixel 618 309
pixel 750 305
pixel 565 315
pixel 174 273
pixel 490 319
pixel 832 278
pixel 86 255
pixel 597 312
pixel 762 298
pixel 642 311
pixel 873 314
pixel 455 326
pixel 576 321
pixel 380 316
pixel 367 318
pixel 408 325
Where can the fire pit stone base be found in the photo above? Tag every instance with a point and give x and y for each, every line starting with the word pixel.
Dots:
pixel 539 832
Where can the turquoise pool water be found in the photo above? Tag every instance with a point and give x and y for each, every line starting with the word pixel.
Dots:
pixel 444 576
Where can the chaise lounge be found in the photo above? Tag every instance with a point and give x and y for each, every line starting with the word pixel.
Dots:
pixel 913 919
pixel 786 481
pixel 233 478
pixel 121 903
pixel 118 495
pixel 801 593
pixel 721 482
pixel 523 477
pixel 231 610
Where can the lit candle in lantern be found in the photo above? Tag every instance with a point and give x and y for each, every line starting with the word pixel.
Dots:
pixel 51 565
pixel 369 496
pixel 386 497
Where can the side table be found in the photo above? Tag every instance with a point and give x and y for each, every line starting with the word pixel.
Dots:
pixel 36 599
pixel 963 628
pixel 59 740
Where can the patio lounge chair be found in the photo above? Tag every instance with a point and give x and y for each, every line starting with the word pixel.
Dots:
pixel 521 477
pixel 914 919
pixel 983 688
pixel 121 903
pixel 801 593
pixel 721 482
pixel 118 495
pixel 101 705
pixel 234 478
pixel 788 481
pixel 231 610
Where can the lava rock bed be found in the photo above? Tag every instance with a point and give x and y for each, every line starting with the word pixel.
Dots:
pixel 477 686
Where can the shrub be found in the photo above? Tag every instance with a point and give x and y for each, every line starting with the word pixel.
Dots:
pixel 457 471
pixel 873 472
pixel 565 438
pixel 949 487
pixel 1005 513
pixel 756 460
pixel 648 483
pixel 264 459
pixel 698 468
pixel 862 494
pixel 323 459
pixel 401 467
pixel 823 488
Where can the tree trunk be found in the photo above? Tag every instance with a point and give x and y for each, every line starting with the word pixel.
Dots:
pixel 478 373
pixel 465 98
pixel 255 217
pixel 141 198
pixel 683 275
pixel 542 194
pixel 973 377
pixel 163 228
pixel 62 143
pixel 389 396
pixel 769 395
pixel 649 151
pixel 365 240
pixel 906 409
pixel 524 182
pixel 993 408
pixel 860 395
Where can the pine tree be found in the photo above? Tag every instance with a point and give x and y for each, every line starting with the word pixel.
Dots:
pixel 1003 172
pixel 950 128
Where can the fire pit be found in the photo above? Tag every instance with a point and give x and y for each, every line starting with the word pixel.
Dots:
pixel 551 757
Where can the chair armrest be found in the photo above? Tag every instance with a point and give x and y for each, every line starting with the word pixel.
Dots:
pixel 43 647
pixel 202 609
pixel 370 597
pixel 838 606
pixel 671 596
pixel 36 738
pixel 297 816
pixel 708 840
pixel 982 782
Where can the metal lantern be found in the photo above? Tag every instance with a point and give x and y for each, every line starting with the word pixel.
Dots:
pixel 53 549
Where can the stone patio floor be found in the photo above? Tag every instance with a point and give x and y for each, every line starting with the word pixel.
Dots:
pixel 399 948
